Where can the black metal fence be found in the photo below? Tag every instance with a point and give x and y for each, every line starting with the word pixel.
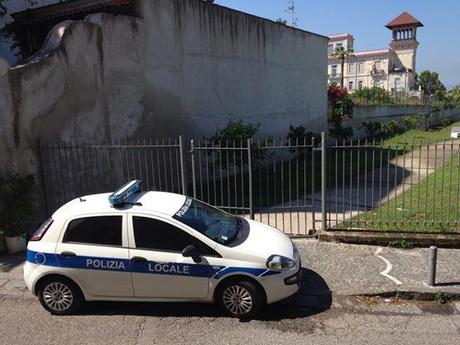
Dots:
pixel 297 186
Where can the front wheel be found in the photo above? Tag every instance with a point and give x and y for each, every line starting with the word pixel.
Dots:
pixel 59 296
pixel 240 299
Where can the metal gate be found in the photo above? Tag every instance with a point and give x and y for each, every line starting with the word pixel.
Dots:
pixel 276 182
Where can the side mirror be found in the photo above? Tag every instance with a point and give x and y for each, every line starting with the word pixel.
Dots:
pixel 191 252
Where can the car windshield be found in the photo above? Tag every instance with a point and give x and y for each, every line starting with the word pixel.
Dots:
pixel 215 224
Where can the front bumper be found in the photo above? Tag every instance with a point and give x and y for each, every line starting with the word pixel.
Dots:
pixel 276 287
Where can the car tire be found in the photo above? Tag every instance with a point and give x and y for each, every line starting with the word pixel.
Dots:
pixel 59 295
pixel 240 298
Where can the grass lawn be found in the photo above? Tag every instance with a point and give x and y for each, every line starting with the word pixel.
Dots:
pixel 420 136
pixel 430 206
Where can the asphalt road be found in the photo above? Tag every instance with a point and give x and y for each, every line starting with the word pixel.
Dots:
pixel 347 321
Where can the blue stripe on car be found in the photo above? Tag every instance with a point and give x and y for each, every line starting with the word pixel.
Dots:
pixel 151 267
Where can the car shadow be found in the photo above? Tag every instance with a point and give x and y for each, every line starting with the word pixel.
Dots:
pixel 314 297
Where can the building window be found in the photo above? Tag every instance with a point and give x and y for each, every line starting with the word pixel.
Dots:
pixel 360 85
pixel 330 49
pixel 350 86
pixel 333 70
pixel 351 68
pixel 360 68
pixel 338 45
pixel 397 83
pixel 378 65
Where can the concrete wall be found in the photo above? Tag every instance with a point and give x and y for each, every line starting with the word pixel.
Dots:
pixel 383 114
pixel 186 67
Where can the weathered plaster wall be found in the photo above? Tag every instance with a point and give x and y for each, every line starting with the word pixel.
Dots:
pixel 186 67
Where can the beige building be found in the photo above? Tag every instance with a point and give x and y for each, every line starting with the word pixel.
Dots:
pixel 391 68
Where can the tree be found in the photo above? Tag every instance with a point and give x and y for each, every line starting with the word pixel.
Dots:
pixel 433 87
pixel 340 108
pixel 455 94
pixel 281 21
pixel 342 54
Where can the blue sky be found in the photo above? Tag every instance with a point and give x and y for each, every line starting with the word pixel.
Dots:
pixel 365 19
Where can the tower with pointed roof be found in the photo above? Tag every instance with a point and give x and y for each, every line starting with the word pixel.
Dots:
pixel 391 68
pixel 405 44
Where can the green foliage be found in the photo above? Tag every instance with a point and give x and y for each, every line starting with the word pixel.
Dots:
pixel 301 136
pixel 236 131
pixel 431 85
pixel 392 128
pixel 341 133
pixel 372 129
pixel 401 243
pixel 16 207
pixel 446 122
pixel 412 122
pixel 373 95
pixel 340 108
pixel 441 297
pixel 281 21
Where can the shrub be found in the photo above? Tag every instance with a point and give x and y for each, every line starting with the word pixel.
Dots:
pixel 391 128
pixel 412 122
pixel 341 107
pixel 16 207
pixel 341 133
pixel 300 135
pixel 446 122
pixel 236 130
pixel 372 129
pixel 373 95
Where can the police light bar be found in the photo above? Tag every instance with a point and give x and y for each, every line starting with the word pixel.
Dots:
pixel 120 196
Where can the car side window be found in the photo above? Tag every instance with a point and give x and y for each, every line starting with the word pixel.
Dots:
pixel 155 234
pixel 105 230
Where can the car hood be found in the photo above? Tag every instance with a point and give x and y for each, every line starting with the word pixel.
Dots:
pixel 264 240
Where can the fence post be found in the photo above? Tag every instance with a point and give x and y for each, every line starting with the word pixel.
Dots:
pixel 192 153
pixel 324 181
pixel 251 205
pixel 182 164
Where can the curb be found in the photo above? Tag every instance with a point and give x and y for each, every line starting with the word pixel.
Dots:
pixel 442 296
pixel 395 239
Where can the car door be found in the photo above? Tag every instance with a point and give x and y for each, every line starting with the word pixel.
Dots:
pixel 159 270
pixel 94 249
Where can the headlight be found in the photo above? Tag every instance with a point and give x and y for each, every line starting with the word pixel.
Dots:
pixel 279 263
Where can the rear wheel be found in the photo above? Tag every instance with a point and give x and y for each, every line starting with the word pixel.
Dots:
pixel 60 296
pixel 240 298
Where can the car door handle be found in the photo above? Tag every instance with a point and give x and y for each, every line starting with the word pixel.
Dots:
pixel 68 254
pixel 138 259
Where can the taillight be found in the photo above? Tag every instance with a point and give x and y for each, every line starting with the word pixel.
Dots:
pixel 38 234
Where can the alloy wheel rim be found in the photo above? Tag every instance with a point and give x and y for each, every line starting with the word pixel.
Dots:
pixel 237 300
pixel 58 296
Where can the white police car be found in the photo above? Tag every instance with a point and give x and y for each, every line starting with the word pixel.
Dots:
pixel 154 246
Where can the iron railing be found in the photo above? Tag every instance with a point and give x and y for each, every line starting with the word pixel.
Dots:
pixel 298 186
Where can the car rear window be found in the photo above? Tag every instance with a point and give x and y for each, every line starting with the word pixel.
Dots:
pixel 105 230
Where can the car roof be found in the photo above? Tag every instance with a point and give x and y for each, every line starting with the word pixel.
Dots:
pixel 155 202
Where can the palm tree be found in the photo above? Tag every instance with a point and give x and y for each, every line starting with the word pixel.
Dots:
pixel 341 53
